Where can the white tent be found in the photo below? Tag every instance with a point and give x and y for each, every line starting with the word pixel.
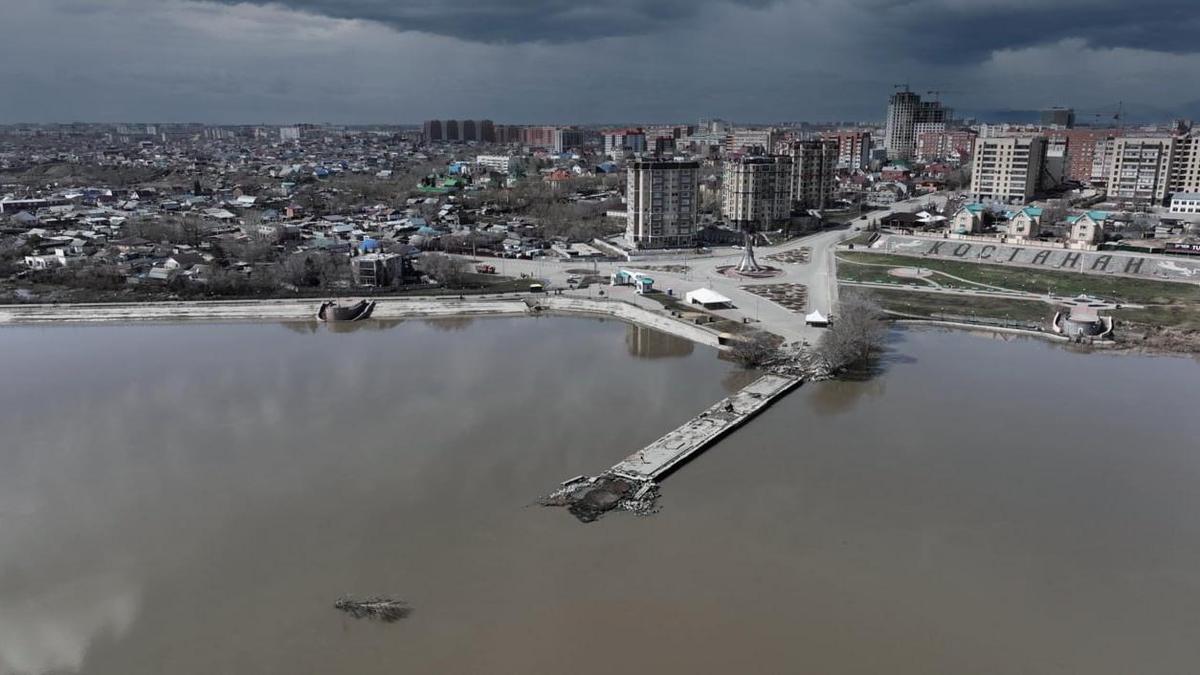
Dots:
pixel 816 319
pixel 706 297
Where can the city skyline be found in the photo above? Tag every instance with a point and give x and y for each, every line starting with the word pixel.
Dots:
pixel 542 61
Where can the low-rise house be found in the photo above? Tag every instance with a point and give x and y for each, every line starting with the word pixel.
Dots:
pixel 1087 228
pixel 969 219
pixel 1026 223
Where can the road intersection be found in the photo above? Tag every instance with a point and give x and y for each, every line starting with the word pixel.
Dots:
pixel 689 271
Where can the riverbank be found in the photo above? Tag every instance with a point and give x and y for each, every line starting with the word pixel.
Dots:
pixel 386 308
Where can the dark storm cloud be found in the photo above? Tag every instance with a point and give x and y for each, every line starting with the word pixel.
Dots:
pixel 944 31
pixel 947 31
pixel 550 61
pixel 515 21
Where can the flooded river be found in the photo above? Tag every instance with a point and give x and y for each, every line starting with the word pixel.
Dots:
pixel 193 498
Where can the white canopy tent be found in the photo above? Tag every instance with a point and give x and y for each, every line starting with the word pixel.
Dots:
pixel 707 298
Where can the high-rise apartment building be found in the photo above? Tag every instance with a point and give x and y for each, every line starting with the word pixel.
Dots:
pixel 814 165
pixel 907 114
pixel 756 191
pixel 1088 153
pixel 1140 169
pixel 1007 169
pixel 454 131
pixel 569 139
pixel 748 140
pixel 1185 166
pixel 661 203
pixel 934 145
pixel 539 136
pixel 617 144
pixel 507 133
pixel 1058 117
pixel 854 148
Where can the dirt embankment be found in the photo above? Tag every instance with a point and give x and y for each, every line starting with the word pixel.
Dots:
pixel 1157 339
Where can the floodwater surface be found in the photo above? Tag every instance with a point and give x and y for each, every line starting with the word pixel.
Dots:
pixel 192 498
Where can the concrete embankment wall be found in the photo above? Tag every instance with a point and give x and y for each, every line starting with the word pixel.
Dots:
pixel 633 314
pixel 305 310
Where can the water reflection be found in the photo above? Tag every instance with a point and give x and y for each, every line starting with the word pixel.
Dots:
pixel 646 343
pixel 162 510
pixel 841 396
pixel 450 324
pixel 313 327
pixel 50 629
pixel 736 379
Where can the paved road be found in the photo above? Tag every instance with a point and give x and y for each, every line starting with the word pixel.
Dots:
pixel 818 276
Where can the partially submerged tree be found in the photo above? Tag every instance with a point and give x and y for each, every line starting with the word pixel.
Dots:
pixel 856 334
pixel 753 351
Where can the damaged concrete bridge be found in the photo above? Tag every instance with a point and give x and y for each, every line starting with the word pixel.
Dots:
pixel 631 484
pixel 662 456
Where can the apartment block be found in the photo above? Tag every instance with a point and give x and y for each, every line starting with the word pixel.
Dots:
pixel 1088 153
pixel 756 191
pixel 814 165
pixel 1140 169
pixel 745 140
pixel 1007 169
pixel 1185 166
pixel 499 163
pixel 854 148
pixel 907 116
pixel 661 203
pixel 459 131
pixel 937 145
pixel 618 144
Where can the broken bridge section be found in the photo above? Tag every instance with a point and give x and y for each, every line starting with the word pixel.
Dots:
pixel 632 484
pixel 662 456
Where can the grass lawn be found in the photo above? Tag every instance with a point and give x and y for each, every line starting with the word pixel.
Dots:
pixel 929 304
pixel 1069 284
pixel 851 272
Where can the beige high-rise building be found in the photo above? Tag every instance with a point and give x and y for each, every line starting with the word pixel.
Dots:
pixel 814 165
pixel 746 139
pixel 756 192
pixel 907 114
pixel 1007 169
pixel 854 148
pixel 1185 166
pixel 1140 169
pixel 661 203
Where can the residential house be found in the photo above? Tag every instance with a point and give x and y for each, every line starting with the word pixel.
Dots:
pixel 969 219
pixel 1026 223
pixel 1087 228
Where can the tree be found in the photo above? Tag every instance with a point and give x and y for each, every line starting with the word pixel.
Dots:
pixel 856 333
pixel 1054 212
pixel 754 351
pixel 309 269
pixel 446 270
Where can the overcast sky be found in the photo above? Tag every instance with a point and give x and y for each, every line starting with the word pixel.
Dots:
pixel 586 61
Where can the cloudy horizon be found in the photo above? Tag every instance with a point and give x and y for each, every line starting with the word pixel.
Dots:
pixel 553 61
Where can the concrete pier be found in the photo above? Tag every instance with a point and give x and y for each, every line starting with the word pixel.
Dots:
pixel 662 456
pixel 632 485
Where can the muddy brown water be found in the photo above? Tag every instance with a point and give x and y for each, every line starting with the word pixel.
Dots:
pixel 194 498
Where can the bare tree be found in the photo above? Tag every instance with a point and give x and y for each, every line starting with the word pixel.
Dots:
pixel 856 333
pixel 1054 212
pixel 447 270
pixel 754 351
pixel 311 269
